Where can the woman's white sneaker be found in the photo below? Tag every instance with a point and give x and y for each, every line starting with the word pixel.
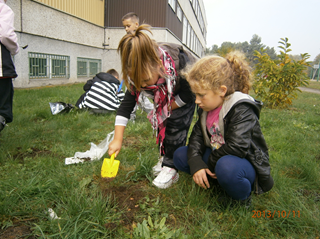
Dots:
pixel 166 177
pixel 157 168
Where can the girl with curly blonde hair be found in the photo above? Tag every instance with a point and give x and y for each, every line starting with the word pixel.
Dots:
pixel 226 147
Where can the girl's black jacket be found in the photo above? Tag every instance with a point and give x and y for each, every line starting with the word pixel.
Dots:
pixel 239 125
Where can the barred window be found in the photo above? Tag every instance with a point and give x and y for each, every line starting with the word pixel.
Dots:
pixel 48 66
pixel 88 67
pixel 82 68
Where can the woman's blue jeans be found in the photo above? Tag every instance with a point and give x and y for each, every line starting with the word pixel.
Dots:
pixel 235 175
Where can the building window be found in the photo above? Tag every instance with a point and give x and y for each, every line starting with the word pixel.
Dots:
pixel 179 12
pixel 82 68
pixel 185 30
pixel 172 4
pixel 88 67
pixel 48 66
pixel 192 39
pixel 194 5
pixel 189 36
pixel 93 69
pixel 59 68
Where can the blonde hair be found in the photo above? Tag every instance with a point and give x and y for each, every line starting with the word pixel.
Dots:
pixel 139 56
pixel 211 72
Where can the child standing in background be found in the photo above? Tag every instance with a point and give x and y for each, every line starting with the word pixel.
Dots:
pixel 8 46
pixel 226 143
pixel 130 22
pixel 150 68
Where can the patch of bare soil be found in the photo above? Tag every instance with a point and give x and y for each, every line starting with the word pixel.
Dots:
pixel 133 142
pixel 18 230
pixel 127 198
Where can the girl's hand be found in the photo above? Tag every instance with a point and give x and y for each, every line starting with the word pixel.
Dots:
pixel 212 175
pixel 115 147
pixel 200 177
pixel 116 143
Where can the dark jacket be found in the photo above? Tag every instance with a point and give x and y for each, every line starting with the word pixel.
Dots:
pixel 181 58
pixel 7 69
pixel 239 125
pixel 102 76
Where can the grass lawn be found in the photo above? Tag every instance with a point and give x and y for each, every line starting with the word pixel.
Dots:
pixel 314 84
pixel 34 178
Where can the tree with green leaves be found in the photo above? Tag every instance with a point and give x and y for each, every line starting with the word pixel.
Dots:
pixel 248 49
pixel 277 81
pixel 317 59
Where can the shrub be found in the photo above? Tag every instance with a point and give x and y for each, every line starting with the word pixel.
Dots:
pixel 277 81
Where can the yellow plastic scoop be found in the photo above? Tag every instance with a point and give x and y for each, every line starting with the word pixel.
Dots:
pixel 110 167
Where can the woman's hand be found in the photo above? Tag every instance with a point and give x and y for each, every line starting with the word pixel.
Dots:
pixel 200 177
pixel 115 147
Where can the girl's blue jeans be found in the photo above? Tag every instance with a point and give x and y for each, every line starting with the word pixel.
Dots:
pixel 235 175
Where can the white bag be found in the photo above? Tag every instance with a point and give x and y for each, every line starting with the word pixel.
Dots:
pixel 95 152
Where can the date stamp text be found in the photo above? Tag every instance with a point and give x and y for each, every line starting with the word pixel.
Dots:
pixel 275 214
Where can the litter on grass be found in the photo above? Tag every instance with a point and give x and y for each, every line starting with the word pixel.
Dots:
pixel 60 107
pixel 52 214
pixel 95 153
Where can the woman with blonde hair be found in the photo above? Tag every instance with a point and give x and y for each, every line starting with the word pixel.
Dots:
pixel 153 69
pixel 226 144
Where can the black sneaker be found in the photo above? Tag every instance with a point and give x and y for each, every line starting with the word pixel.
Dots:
pixel 2 123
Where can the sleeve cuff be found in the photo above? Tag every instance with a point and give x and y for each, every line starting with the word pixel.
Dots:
pixel 120 120
pixel 178 101
pixel 196 164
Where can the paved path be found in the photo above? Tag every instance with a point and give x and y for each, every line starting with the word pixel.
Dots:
pixel 309 90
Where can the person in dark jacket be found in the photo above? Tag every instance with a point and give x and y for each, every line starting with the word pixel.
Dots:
pixel 8 46
pixel 102 93
pixel 154 69
pixel 226 143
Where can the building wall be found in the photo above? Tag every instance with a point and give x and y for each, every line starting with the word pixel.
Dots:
pixel 160 14
pixel 59 34
pixel 44 29
pixel 173 23
pixel 109 59
pixel 41 20
pixel 92 11
pixel 149 11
